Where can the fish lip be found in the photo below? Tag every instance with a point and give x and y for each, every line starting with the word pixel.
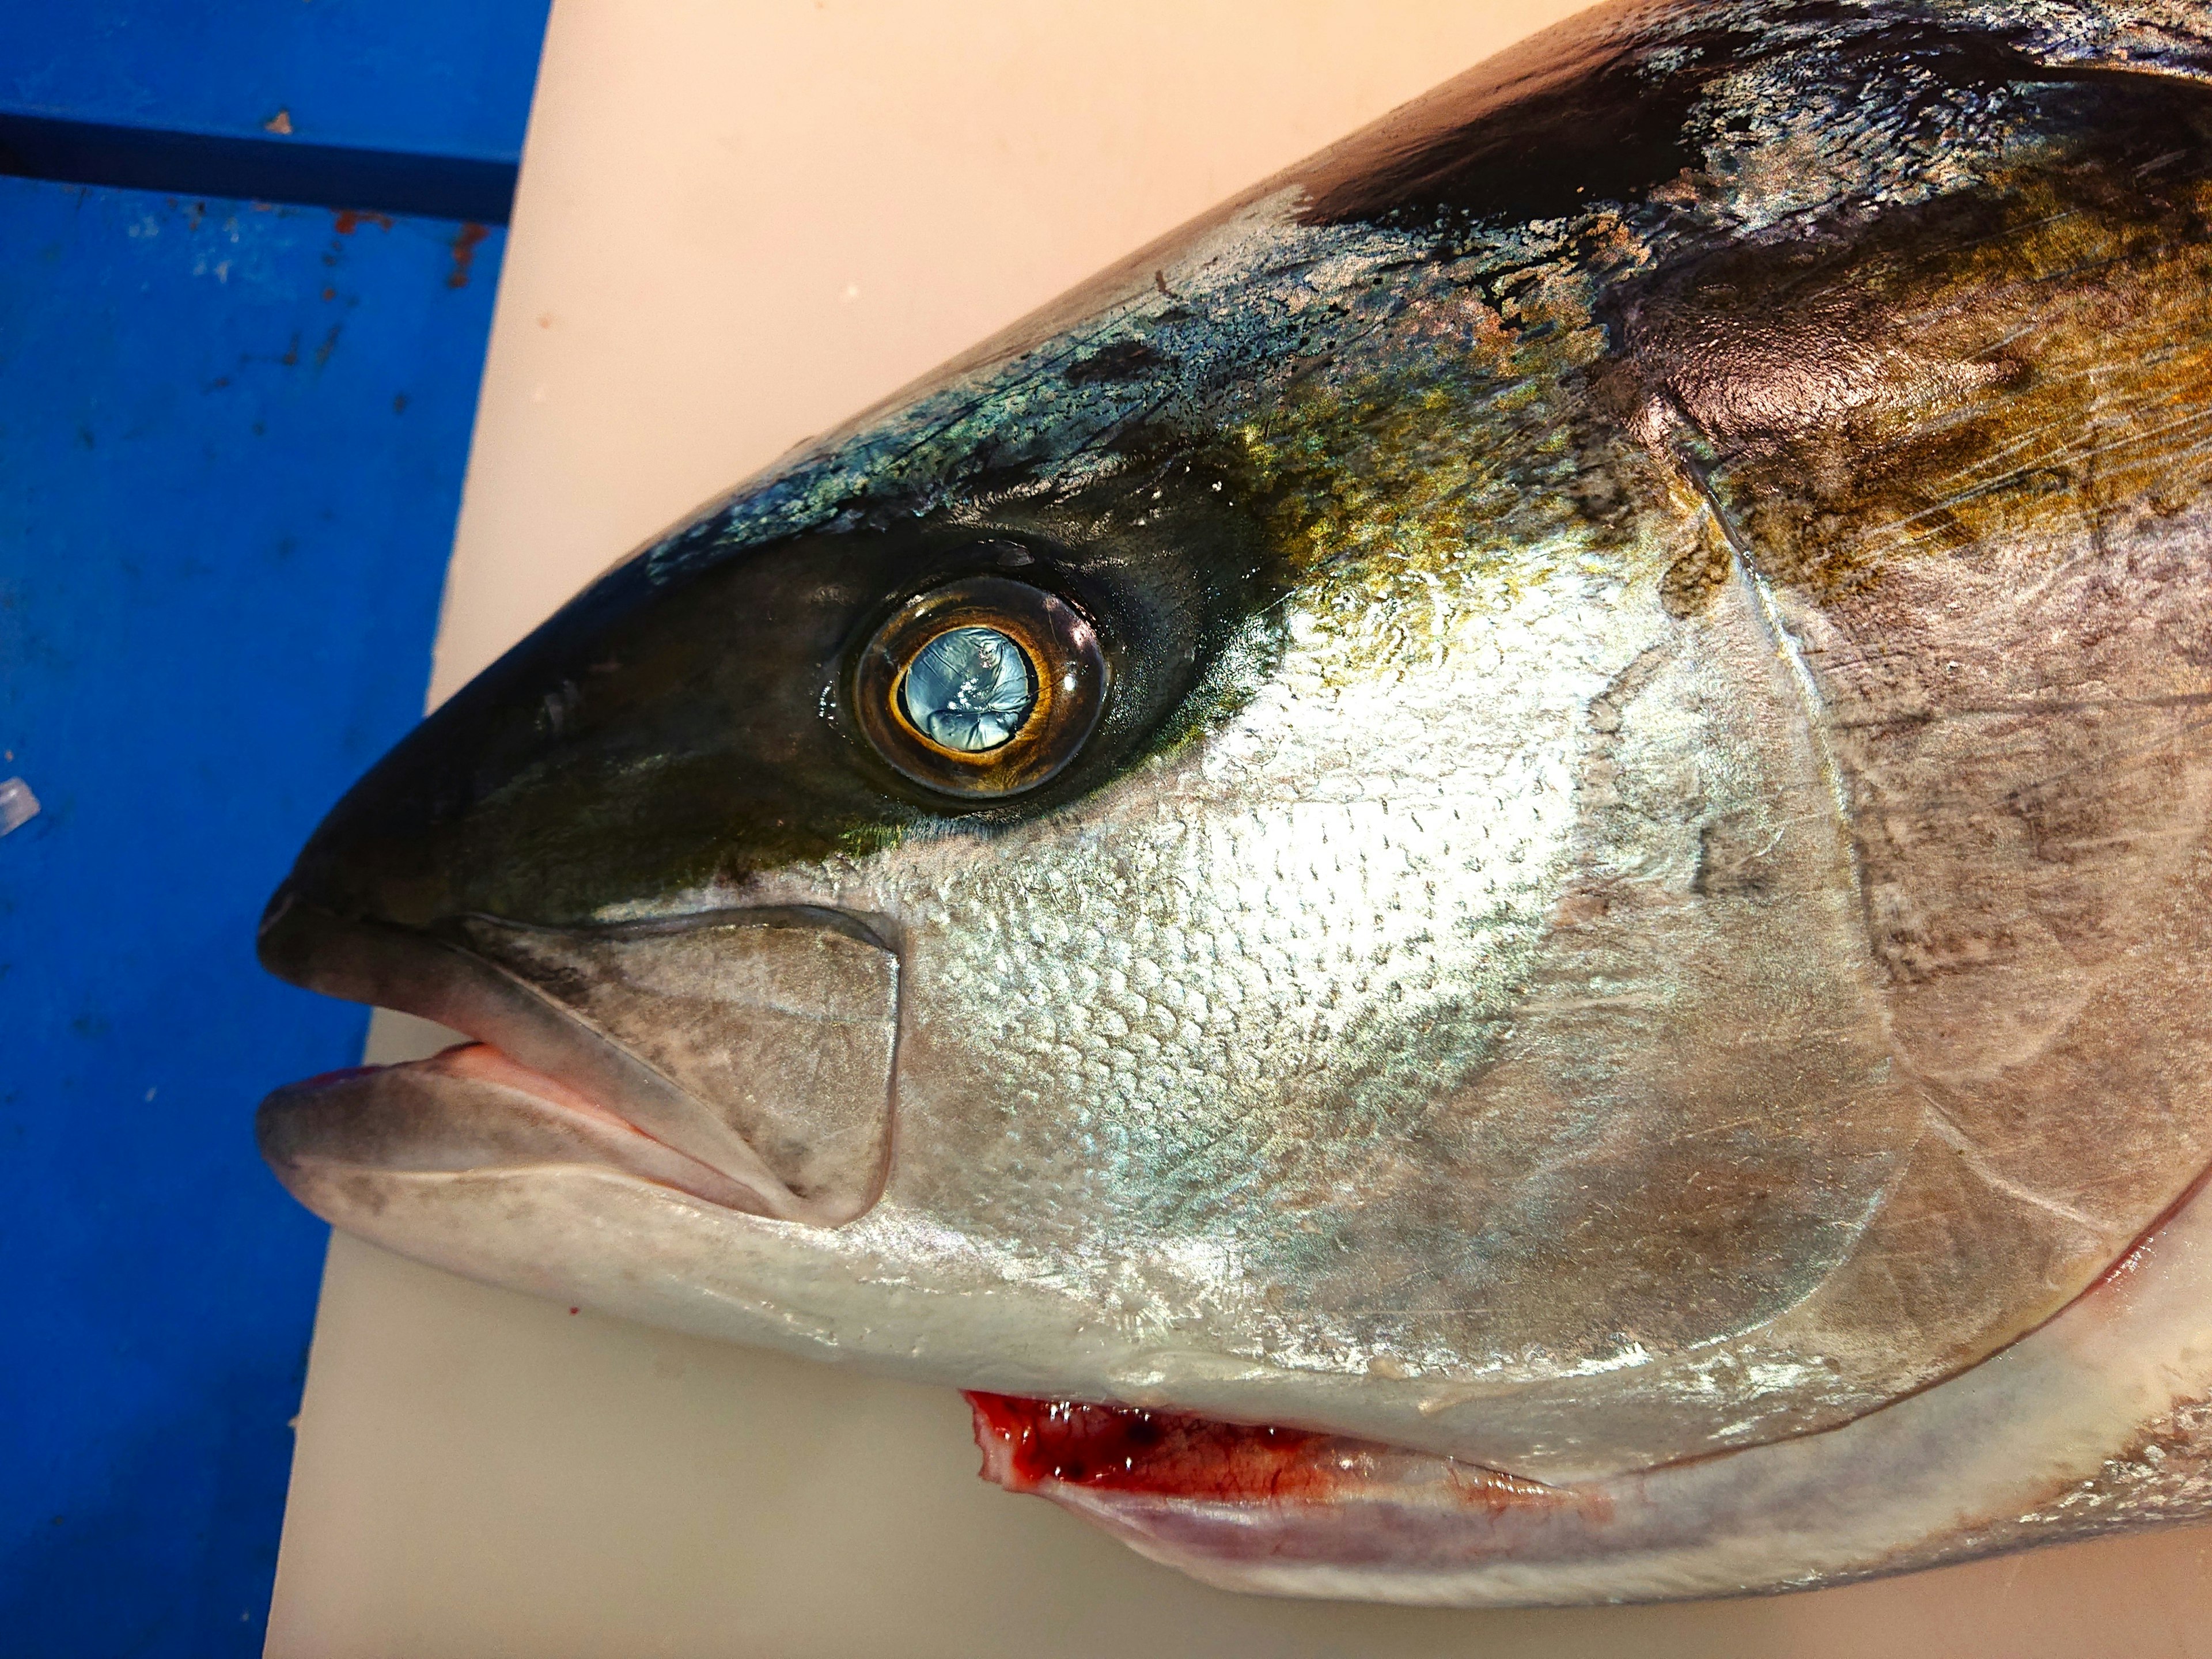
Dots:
pixel 411 972
pixel 310 1132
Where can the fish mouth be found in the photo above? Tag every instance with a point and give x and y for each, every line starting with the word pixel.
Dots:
pixel 735 1108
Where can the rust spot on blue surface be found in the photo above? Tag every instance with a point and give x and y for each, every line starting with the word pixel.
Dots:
pixel 464 253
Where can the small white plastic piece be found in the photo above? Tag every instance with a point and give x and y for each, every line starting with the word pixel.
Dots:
pixel 18 806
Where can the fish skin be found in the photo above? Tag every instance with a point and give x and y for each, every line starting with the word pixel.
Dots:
pixel 1640 890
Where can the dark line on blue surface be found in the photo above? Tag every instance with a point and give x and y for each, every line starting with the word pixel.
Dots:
pixel 253 169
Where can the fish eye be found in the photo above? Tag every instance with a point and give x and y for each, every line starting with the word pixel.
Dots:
pixel 982 688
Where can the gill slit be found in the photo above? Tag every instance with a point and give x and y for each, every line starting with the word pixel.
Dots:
pixel 1791 651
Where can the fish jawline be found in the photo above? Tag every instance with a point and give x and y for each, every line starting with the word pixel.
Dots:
pixel 551 1065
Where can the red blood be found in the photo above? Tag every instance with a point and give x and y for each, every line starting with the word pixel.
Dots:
pixel 2135 1252
pixel 1026 1443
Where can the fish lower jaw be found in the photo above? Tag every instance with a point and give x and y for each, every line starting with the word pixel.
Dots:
pixel 537 1087
pixel 471 1109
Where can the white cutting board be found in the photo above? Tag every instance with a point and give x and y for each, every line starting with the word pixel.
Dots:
pixel 739 222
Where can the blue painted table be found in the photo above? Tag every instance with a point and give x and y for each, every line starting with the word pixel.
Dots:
pixel 231 436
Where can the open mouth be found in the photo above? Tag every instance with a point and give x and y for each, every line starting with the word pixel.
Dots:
pixel 742 1057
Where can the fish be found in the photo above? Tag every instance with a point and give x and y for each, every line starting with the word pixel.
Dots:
pixel 1487 884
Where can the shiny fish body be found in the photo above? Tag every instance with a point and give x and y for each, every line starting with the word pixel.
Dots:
pixel 1599 900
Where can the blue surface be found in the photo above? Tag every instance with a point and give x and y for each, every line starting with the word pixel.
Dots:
pixel 231 446
pixel 448 77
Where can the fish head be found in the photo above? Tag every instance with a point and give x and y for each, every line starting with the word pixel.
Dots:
pixel 1526 799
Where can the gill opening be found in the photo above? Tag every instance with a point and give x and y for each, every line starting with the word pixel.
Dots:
pixel 1787 645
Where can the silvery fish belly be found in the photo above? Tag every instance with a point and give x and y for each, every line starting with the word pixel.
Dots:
pixel 1488 884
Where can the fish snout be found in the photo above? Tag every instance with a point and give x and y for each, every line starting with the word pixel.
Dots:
pixel 652 748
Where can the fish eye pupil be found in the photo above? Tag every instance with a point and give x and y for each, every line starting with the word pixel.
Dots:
pixel 969 689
